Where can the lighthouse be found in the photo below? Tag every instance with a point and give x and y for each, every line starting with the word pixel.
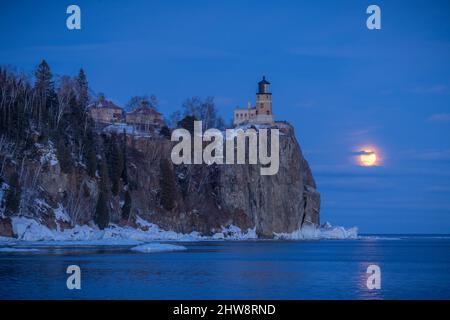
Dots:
pixel 263 103
pixel 261 113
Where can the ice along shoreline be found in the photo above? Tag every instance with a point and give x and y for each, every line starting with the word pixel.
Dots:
pixel 29 230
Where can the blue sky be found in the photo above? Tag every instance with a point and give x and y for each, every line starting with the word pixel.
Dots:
pixel 341 85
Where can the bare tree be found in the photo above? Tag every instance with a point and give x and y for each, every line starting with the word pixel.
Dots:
pixel 64 92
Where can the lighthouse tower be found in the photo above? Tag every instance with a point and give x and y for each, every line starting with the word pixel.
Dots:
pixel 263 112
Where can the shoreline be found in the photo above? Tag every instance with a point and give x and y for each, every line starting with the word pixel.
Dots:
pixel 29 230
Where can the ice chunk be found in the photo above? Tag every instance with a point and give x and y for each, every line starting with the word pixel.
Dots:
pixel 30 229
pixel 325 231
pixel 157 247
pixel 234 233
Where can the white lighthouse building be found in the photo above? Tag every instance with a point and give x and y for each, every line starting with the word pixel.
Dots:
pixel 261 113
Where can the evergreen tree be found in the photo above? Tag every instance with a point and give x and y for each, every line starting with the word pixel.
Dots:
pixel 79 112
pixel 126 208
pixel 44 78
pixel 82 90
pixel 90 153
pixel 187 123
pixel 64 156
pixel 77 126
pixel 102 211
pixel 13 194
pixel 124 157
pixel 165 132
pixel 102 216
pixel 47 103
pixel 115 164
pixel 167 183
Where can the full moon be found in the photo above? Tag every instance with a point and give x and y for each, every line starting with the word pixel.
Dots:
pixel 369 158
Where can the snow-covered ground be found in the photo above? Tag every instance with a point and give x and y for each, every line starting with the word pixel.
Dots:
pixel 119 128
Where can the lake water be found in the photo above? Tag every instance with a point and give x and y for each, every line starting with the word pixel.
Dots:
pixel 412 267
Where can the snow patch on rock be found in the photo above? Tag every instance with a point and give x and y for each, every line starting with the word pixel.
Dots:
pixel 61 214
pixel 48 154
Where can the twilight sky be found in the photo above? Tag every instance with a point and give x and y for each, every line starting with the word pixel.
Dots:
pixel 341 85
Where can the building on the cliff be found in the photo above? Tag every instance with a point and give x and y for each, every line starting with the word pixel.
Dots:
pixel 105 111
pixel 144 118
pixel 261 113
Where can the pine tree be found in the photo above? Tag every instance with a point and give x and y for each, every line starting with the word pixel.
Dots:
pixel 47 105
pixel 79 110
pixel 102 216
pixel 12 199
pixel 187 123
pixel 115 164
pixel 83 89
pixel 64 156
pixel 126 208
pixel 90 153
pixel 102 211
pixel 167 183
pixel 44 78
pixel 124 157
pixel 165 132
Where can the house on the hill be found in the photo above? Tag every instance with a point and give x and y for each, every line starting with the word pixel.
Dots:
pixel 105 111
pixel 144 118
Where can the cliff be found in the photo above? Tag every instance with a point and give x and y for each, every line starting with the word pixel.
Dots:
pixel 204 198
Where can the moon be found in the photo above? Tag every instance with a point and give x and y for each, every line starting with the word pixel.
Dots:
pixel 368 158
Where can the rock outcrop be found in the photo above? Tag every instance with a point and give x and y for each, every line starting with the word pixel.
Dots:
pixel 205 197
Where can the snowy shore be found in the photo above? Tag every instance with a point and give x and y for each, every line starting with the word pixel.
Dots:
pixel 29 230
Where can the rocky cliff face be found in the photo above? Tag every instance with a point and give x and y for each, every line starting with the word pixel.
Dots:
pixel 205 197
pixel 279 203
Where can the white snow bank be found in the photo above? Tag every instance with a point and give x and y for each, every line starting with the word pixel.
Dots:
pixel 27 229
pixel 234 233
pixel 129 129
pixel 325 231
pixel 12 250
pixel 157 247
pixel 30 230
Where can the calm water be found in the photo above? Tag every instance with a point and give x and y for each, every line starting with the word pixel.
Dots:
pixel 412 268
